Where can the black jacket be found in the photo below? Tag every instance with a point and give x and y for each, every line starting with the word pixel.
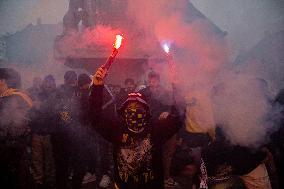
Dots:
pixel 66 107
pixel 137 157
pixel 223 160
pixel 43 115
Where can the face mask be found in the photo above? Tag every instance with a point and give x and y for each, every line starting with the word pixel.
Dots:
pixel 135 119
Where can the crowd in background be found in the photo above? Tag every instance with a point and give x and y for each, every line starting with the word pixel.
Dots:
pixel 48 141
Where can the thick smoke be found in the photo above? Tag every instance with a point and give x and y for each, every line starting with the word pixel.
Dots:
pixel 237 101
pixel 242 106
pixel 90 38
pixel 205 77
pixel 196 49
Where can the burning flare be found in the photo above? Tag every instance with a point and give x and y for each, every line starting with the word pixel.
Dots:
pixel 118 41
pixel 166 48
pixel 111 58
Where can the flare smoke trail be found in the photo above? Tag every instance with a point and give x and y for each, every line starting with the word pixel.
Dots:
pixel 240 104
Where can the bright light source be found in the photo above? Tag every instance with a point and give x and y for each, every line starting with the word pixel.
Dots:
pixel 118 41
pixel 166 48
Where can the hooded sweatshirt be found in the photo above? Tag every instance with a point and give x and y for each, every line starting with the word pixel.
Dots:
pixel 137 156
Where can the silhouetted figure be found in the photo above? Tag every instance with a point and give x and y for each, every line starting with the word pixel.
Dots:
pixel 14 131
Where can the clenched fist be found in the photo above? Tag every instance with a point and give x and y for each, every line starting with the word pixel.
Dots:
pixel 98 78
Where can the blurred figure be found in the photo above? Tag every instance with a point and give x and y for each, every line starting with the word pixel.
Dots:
pixel 88 146
pixel 14 131
pixel 43 169
pixel 84 82
pixel 67 123
pixel 81 153
pixel 92 150
pixel 277 138
pixel 184 169
pixel 159 100
pixel 199 126
pixel 226 163
pixel 35 89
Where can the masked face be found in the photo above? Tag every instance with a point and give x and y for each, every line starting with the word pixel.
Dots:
pixel 135 117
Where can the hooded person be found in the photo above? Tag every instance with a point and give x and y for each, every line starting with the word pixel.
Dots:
pixel 15 108
pixel 137 140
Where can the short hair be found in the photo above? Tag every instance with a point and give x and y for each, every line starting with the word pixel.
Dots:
pixel 84 79
pixel 70 76
pixel 129 80
pixel 49 78
pixel 154 75
pixel 11 77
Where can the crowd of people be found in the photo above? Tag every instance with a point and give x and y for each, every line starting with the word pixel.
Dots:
pixel 130 137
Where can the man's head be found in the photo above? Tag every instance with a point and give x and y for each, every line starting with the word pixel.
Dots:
pixel 129 85
pixel 48 84
pixel 135 112
pixel 84 81
pixel 9 78
pixel 70 78
pixel 153 80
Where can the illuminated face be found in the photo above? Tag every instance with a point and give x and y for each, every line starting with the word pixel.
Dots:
pixel 135 117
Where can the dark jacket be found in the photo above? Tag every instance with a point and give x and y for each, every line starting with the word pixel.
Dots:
pixel 43 115
pixel 137 157
pixel 66 107
pixel 223 160
pixel 159 101
pixel 83 97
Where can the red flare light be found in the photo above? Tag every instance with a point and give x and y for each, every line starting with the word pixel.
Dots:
pixel 111 58
pixel 118 41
